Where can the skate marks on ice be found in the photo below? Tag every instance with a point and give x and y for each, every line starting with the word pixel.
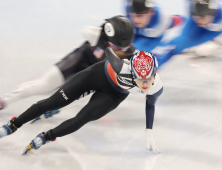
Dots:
pixel 51 157
pixel 200 157
pixel 188 117
pixel 187 125
pixel 196 114
pixel 8 147
pixel 187 129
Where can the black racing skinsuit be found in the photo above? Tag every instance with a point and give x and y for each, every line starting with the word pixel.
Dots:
pixel 105 99
pixel 83 57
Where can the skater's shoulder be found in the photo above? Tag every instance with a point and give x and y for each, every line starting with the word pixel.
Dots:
pixel 161 21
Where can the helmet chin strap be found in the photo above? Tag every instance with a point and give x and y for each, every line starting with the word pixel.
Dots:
pixel 154 78
pixel 133 81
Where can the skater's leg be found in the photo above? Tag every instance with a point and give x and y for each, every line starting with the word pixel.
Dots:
pixel 70 65
pixel 81 83
pixel 99 105
pixel 53 79
pixel 92 78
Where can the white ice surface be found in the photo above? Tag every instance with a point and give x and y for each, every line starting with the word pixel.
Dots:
pixel 187 128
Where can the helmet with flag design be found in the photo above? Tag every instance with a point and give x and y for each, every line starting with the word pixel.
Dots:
pixel 143 65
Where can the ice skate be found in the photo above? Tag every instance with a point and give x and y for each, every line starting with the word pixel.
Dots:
pixel 8 129
pixel 51 113
pixel 36 143
pixel 47 115
pixel 36 119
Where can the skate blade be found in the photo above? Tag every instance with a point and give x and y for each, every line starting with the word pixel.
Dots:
pixel 38 118
pixel 28 148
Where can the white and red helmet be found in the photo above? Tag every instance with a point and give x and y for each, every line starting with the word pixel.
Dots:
pixel 143 65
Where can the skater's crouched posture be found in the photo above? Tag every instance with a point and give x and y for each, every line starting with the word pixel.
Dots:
pixel 112 80
pixel 116 32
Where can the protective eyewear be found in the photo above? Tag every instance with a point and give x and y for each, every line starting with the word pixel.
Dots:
pixel 115 47
pixel 142 81
pixel 138 15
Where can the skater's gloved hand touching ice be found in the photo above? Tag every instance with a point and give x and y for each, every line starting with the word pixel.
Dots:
pixel 150 112
pixel 150 142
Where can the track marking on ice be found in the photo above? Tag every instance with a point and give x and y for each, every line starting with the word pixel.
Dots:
pixel 195 65
pixel 30 159
pixel 76 157
pixel 212 139
pixel 128 143
pixel 150 162
pixel 172 158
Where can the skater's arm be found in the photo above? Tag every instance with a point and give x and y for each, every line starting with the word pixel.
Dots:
pixel 150 108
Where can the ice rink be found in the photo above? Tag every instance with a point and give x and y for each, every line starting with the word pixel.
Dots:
pixel 188 120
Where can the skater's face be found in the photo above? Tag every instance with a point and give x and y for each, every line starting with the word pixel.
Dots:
pixel 203 21
pixel 141 19
pixel 144 84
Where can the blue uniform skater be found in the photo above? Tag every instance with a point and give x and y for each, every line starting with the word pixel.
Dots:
pixel 150 22
pixel 204 24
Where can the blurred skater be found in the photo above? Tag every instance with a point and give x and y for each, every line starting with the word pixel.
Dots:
pixel 204 24
pixel 208 49
pixel 150 22
pixel 91 52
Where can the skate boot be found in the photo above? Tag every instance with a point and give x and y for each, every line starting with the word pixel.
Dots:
pixel 2 105
pixel 37 142
pixel 47 115
pixel 36 119
pixel 8 129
